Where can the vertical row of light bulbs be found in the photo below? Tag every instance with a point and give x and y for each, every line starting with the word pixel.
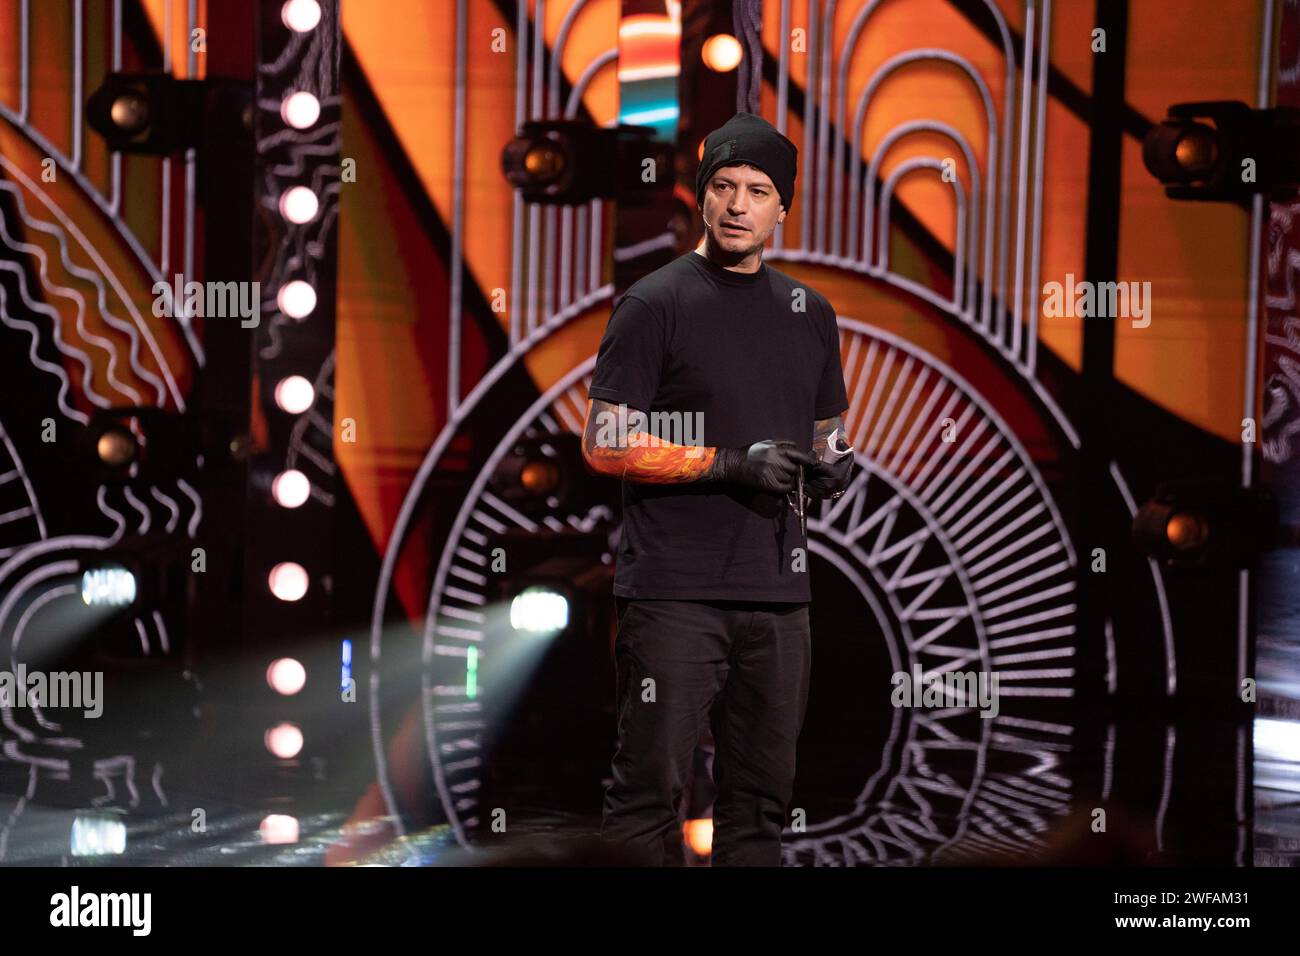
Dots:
pixel 294 395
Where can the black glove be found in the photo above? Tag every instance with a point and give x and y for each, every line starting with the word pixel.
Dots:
pixel 823 480
pixel 766 465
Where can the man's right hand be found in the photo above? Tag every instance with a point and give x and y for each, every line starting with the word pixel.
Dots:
pixel 766 465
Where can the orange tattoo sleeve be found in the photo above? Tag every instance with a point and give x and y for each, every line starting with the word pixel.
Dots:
pixel 645 458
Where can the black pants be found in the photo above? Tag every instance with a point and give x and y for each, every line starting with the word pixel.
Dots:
pixel 746 665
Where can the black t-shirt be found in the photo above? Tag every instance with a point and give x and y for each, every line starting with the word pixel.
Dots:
pixel 756 361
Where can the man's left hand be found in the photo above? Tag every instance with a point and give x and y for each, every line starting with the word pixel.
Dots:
pixel 823 480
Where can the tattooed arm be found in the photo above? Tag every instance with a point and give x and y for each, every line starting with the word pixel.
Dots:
pixel 833 471
pixel 822 429
pixel 618 447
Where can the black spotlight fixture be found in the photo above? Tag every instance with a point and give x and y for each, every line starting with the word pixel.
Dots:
pixel 1206 523
pixel 159 114
pixel 147 443
pixel 544 475
pixel 1224 151
pixel 142 577
pixel 570 162
pixel 147 112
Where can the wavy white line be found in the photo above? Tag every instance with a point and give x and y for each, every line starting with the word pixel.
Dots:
pixel 74 296
pixel 55 370
pixel 126 328
pixel 59 342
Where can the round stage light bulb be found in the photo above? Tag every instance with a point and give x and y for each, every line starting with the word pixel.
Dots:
pixel 545 161
pixel 1186 532
pixel 300 110
pixel 286 676
pixel 288 581
pixel 284 740
pixel 116 447
pixel 296 299
pixel 1197 151
pixel 294 394
pixel 699 835
pixel 540 476
pixel 299 205
pixel 721 52
pixel 300 15
pixel 290 488
pixel 279 828
pixel 129 112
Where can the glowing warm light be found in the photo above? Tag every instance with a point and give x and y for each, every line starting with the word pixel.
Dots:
pixel 284 740
pixel 1196 151
pixel 294 394
pixel 296 299
pixel 286 676
pixel 288 581
pixel 540 476
pixel 299 205
pixel 539 610
pixel 129 112
pixel 116 446
pixel 699 835
pixel 279 828
pixel 721 52
pixel 300 110
pixel 290 488
pixel 545 161
pixel 300 15
pixel 1187 531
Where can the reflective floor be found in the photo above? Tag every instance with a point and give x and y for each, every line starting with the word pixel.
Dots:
pixel 222 771
pixel 1027 791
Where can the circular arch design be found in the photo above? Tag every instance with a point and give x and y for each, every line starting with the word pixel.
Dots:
pixel 995 173
pixel 878 156
pixel 846 55
pixel 903 600
pixel 959 266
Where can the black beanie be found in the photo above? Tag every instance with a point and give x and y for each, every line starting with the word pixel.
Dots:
pixel 746 138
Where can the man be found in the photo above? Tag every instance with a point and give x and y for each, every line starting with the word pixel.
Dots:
pixel 711 586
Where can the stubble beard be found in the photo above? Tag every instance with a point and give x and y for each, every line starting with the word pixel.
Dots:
pixel 717 250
